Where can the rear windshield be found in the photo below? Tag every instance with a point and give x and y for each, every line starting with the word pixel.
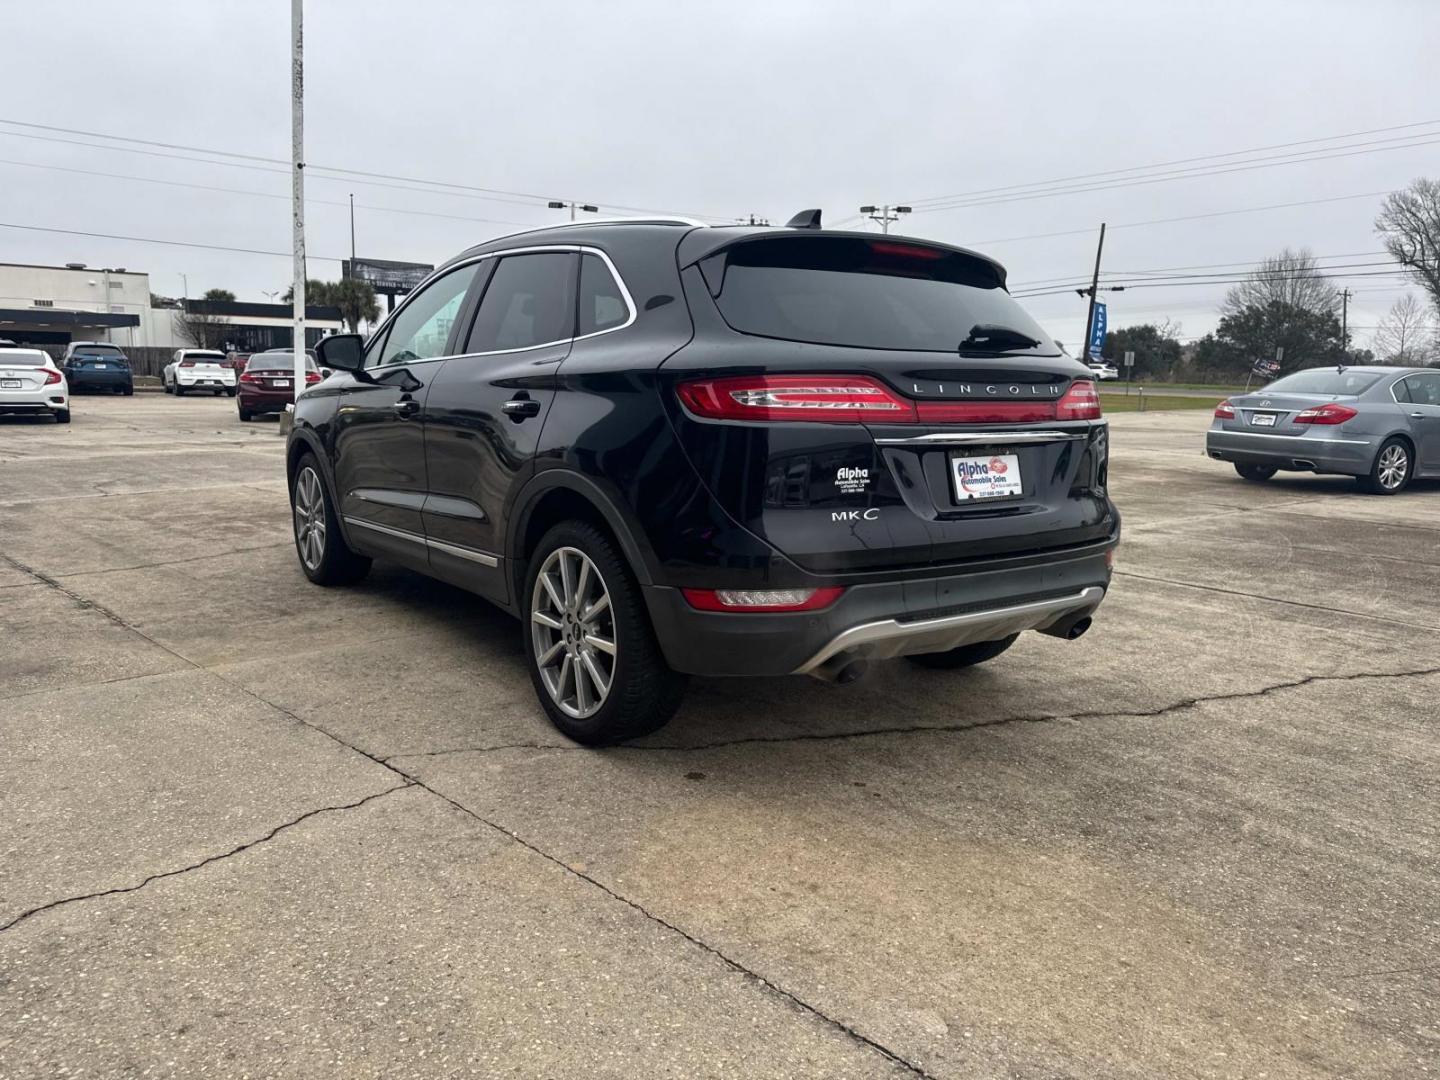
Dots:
pixel 17 358
pixel 1325 381
pixel 98 350
pixel 871 294
pixel 272 361
pixel 204 357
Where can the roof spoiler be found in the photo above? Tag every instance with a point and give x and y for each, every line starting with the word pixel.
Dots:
pixel 805 219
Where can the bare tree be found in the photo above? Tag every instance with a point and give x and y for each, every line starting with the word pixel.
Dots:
pixel 1406 335
pixel 200 328
pixel 1291 278
pixel 1409 224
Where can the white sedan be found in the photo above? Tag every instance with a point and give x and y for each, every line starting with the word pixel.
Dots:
pixel 198 369
pixel 1103 371
pixel 31 382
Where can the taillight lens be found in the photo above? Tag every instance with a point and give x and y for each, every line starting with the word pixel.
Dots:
pixel 187 363
pixel 1225 411
pixel 311 377
pixel 52 377
pixel 827 398
pixel 1080 402
pixel 762 600
pixel 1329 413
pixel 249 377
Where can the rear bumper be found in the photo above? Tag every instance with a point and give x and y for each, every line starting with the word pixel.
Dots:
pixel 880 620
pixel 264 402
pixel 1352 456
pixel 106 380
pixel 203 382
pixel 32 405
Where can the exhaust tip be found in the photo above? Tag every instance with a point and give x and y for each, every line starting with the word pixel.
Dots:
pixel 1078 628
pixel 851 672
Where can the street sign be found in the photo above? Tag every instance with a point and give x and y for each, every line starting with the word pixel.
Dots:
pixel 1129 359
pixel 1097 332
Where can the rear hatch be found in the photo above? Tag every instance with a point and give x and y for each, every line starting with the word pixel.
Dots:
pixel 101 360
pixel 210 369
pixel 276 376
pixel 867 404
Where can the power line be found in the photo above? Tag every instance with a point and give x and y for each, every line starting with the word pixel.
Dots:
pixel 1128 286
pixel 1166 272
pixel 1167 178
pixel 167 243
pixel 1169 164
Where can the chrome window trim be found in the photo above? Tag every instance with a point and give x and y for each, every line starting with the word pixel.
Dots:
pixel 581 249
pixel 484 558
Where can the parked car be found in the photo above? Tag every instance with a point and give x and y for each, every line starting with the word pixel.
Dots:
pixel 1378 424
pixel 267 384
pixel 98 365
pixel 31 382
pixel 198 369
pixel 1102 370
pixel 672 449
pixel 235 361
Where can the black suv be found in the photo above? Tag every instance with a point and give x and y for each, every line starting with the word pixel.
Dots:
pixel 673 449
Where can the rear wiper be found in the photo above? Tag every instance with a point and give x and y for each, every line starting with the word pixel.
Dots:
pixel 992 338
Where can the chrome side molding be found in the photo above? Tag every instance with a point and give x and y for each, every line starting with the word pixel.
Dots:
pixel 484 558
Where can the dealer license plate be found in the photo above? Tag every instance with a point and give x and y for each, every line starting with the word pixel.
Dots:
pixel 1262 419
pixel 990 476
pixel 277 383
pixel 9 384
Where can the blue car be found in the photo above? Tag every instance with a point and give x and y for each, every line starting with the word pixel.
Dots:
pixel 98 365
pixel 1378 424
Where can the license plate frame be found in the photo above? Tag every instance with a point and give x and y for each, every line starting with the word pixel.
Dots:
pixel 985 477
pixel 280 384
pixel 1263 419
pixel 11 384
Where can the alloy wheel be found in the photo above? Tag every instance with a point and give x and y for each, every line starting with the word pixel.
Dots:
pixel 1394 463
pixel 572 630
pixel 309 518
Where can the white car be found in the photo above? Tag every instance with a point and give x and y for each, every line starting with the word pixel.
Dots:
pixel 198 369
pixel 1103 371
pixel 31 382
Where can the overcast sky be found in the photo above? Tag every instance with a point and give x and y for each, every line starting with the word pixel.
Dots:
pixel 720 109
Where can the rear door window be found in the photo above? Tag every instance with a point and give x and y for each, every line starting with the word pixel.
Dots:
pixel 602 302
pixel 1424 389
pixel 530 301
pixel 872 294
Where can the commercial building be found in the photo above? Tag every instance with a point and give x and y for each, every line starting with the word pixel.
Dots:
pixel 54 305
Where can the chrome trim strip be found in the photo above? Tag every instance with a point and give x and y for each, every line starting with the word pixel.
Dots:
pixel 1293 438
pixel 484 558
pixel 969 438
pixel 481 557
pixel 889 637
pixel 581 249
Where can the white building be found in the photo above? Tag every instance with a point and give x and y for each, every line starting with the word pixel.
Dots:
pixel 54 305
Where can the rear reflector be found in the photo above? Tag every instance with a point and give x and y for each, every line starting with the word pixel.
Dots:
pixel 1225 411
pixel 860 399
pixel 762 600
pixel 1329 413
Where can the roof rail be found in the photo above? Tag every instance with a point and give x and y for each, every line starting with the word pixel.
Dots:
pixel 605 221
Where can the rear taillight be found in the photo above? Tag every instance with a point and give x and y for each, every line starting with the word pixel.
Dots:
pixel 1080 402
pixel 827 398
pixel 1329 413
pixel 1225 411
pixel 860 399
pixel 187 363
pixel 249 377
pixel 762 600
pixel 311 377
pixel 51 377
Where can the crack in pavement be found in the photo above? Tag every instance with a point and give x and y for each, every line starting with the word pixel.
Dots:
pixel 1277 600
pixel 928 729
pixel 412 781
pixel 174 562
pixel 18 919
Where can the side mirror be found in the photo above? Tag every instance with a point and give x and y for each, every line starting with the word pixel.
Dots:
pixel 344 352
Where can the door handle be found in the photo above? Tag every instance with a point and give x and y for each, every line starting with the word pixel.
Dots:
pixel 1418 415
pixel 519 408
pixel 406 408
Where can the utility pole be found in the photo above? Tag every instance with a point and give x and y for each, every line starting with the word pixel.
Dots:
pixel 297 161
pixel 1094 288
pixel 352 234
pixel 1345 322
pixel 884 215
pixel 557 204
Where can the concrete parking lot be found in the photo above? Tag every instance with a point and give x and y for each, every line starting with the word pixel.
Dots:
pixel 256 828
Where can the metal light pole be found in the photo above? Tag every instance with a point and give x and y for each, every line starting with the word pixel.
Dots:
pixel 297 160
pixel 884 215
pixel 352 234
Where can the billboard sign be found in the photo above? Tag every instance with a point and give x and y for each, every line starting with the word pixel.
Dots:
pixel 385 275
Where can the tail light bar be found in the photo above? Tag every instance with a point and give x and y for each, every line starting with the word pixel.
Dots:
pixel 1225 411
pixel 52 377
pixel 1329 413
pixel 762 600
pixel 311 378
pixel 860 399
pixel 249 377
pixel 187 363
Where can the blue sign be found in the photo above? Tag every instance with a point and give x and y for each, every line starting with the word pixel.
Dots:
pixel 1097 332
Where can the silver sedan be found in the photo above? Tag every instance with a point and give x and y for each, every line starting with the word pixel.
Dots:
pixel 1379 424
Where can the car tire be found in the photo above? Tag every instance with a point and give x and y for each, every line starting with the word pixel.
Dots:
pixel 963 657
pixel 62 416
pixel 325 557
pixel 246 416
pixel 1256 474
pixel 642 692
pixel 129 391
pixel 230 392
pixel 179 390
pixel 1392 469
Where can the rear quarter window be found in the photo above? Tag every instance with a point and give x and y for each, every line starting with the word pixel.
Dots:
pixel 875 294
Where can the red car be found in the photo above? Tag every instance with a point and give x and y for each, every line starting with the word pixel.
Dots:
pixel 267 384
